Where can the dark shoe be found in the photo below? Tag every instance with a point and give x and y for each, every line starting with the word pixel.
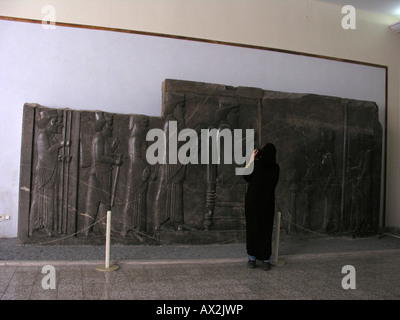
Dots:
pixel 266 266
pixel 251 264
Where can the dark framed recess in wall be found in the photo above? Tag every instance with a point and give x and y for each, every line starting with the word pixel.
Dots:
pixel 294 66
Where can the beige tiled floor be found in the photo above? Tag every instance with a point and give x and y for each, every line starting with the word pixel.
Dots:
pixel 302 277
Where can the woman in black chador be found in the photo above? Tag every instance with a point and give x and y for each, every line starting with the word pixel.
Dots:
pixel 260 205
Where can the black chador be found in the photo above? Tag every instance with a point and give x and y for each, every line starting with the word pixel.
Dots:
pixel 260 203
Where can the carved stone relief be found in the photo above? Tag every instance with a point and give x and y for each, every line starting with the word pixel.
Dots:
pixel 76 165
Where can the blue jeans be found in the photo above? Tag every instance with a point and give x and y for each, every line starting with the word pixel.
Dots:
pixel 252 258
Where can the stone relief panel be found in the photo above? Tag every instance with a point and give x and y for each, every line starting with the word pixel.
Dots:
pixel 76 165
pixel 334 146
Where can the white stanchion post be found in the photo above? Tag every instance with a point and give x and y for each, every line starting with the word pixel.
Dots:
pixel 107 266
pixel 275 261
pixel 107 263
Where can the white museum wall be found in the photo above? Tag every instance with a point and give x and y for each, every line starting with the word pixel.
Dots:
pixel 88 69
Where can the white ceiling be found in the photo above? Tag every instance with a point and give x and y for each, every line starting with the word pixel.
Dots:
pixel 389 7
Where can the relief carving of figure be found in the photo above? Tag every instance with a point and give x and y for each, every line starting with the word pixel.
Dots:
pixel 228 121
pixel 309 191
pixel 98 198
pixel 169 199
pixel 134 212
pixel 44 207
pixel 362 186
pixel 328 173
pixel 294 188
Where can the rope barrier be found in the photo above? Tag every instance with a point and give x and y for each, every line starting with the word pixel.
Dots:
pixel 329 236
pixel 66 237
